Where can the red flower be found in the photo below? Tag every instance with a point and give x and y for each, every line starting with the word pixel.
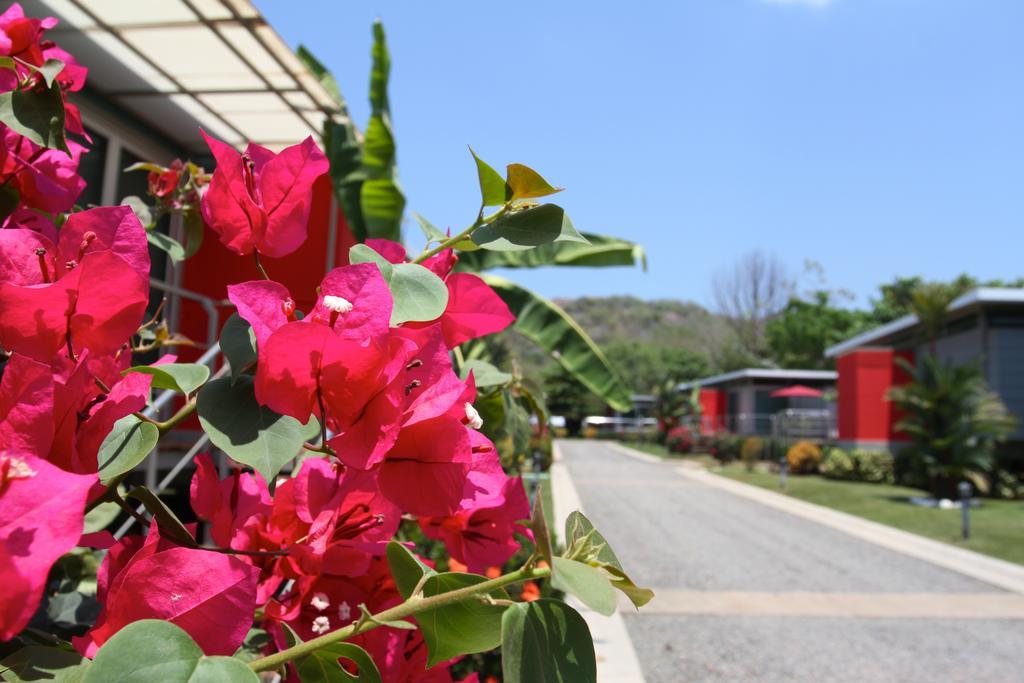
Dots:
pixel 88 292
pixel 41 510
pixel 46 179
pixel 480 533
pixel 210 595
pixel 260 200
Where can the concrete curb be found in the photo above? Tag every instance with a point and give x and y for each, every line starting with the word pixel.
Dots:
pixel 993 571
pixel 616 659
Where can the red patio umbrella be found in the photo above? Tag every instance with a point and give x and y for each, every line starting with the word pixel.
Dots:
pixel 797 391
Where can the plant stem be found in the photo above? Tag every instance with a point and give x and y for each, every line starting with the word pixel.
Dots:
pixel 480 220
pixel 259 264
pixel 124 505
pixel 409 608
pixel 179 417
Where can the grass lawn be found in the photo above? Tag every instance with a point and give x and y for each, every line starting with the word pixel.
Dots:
pixel 997 527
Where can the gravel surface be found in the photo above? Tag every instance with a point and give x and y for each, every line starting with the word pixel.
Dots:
pixel 671 532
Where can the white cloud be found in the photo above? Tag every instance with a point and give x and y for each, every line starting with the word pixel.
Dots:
pixel 803 3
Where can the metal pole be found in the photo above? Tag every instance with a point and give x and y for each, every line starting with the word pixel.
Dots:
pixel 783 470
pixel 964 489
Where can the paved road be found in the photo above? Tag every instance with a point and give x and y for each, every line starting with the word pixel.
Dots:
pixel 673 533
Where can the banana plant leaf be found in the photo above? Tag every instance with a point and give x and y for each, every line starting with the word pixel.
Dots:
pixel 545 324
pixel 602 251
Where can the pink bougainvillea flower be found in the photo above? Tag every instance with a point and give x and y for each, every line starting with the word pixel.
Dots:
pixel 424 472
pixel 260 201
pixel 41 510
pixel 88 292
pixel 26 407
pixel 481 536
pixel 46 179
pixel 209 595
pixel 229 503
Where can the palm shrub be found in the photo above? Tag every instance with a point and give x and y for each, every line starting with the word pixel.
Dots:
pixel 953 420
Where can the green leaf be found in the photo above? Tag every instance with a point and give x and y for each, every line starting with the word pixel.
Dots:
pixel 462 628
pixel 168 244
pixel 100 517
pixel 37 114
pixel 485 374
pixel 323 667
pixel 638 596
pixel 419 294
pixel 127 444
pixel 546 641
pixel 382 205
pixel 147 166
pixel 322 74
pixel 580 532
pixel 150 650
pixel 552 329
pixel 238 343
pixel 578 529
pixel 194 231
pixel 539 527
pixel 168 521
pixel 40 663
pixel 601 251
pixel 344 151
pixel 585 582
pixel 360 253
pixel 430 231
pixel 406 568
pixel 527 228
pixel 526 183
pixel 183 377
pixel 141 210
pixel 249 433
pixel 50 69
pixel 493 190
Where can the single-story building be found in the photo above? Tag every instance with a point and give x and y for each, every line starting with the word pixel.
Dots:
pixel 767 402
pixel 984 326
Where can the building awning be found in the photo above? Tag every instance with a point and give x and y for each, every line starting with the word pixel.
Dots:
pixel 763 374
pixel 184 64
pixel 980 297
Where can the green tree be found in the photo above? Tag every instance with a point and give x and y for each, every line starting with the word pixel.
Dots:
pixel 566 396
pixel 897 297
pixel 645 366
pixel 954 422
pixel 799 335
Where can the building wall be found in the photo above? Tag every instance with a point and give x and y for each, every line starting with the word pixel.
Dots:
pixel 865 377
pixel 1006 370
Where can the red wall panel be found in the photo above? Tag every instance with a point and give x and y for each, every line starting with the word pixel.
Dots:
pixel 865 377
pixel 712 404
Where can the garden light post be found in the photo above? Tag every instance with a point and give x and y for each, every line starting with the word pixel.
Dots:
pixel 783 470
pixel 964 489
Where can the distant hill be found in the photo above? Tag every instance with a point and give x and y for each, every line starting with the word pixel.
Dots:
pixel 642 338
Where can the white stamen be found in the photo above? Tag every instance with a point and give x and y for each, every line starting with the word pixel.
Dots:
pixel 321 625
pixel 175 597
pixel 320 601
pixel 473 418
pixel 337 304
pixel 19 469
pixel 344 612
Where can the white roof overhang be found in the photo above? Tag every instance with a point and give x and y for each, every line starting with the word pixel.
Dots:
pixel 180 65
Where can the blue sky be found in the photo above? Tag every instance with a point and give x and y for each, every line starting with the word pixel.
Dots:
pixel 877 137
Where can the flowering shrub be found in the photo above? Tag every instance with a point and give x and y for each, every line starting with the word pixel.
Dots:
pixel 803 457
pixel 679 440
pixel 306 573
